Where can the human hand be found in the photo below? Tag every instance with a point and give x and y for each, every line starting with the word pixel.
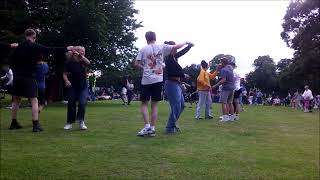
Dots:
pixel 14 45
pixel 68 84
pixel 190 44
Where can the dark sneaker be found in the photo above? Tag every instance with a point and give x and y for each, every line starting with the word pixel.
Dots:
pixel 15 126
pixel 209 117
pixel 37 128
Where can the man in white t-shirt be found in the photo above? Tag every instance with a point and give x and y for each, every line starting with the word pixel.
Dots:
pixel 150 60
pixel 237 92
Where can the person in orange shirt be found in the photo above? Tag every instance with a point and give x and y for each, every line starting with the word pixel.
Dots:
pixel 203 88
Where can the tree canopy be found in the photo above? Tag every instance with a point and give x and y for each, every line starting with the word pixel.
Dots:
pixel 106 28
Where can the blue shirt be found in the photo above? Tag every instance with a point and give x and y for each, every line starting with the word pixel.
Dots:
pixel 41 71
pixel 227 73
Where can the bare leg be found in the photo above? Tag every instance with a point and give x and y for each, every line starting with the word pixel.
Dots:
pixel 15 106
pixel 230 108
pixel 34 108
pixel 154 112
pixel 225 109
pixel 145 112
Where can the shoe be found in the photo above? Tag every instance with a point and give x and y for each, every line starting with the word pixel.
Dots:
pixel 15 126
pixel 37 128
pixel 221 117
pixel 178 128
pixel 232 117
pixel 209 117
pixel 236 118
pixel 82 126
pixel 143 132
pixel 67 126
pixel 151 133
pixel 198 118
pixel 225 119
pixel 171 131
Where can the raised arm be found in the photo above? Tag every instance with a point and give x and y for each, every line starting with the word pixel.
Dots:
pixel 183 51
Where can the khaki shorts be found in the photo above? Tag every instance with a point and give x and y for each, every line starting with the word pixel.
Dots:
pixel 226 96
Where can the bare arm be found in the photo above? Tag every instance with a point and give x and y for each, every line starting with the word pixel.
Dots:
pixel 138 64
pixel 66 80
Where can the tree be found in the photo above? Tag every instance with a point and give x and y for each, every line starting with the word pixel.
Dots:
pixel 215 61
pixel 283 64
pixel 104 27
pixel 264 76
pixel 301 31
pixel 193 71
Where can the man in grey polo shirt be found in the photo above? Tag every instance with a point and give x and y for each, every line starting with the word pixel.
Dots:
pixel 227 82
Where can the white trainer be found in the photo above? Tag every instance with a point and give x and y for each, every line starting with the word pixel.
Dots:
pixel 67 126
pixel 82 126
pixel 225 118
pixel 236 118
pixel 143 132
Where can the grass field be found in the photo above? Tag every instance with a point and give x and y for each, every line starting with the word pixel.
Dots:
pixel 267 143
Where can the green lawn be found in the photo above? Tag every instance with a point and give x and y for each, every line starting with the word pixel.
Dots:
pixel 267 143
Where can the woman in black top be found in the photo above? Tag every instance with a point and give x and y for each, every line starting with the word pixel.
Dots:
pixel 75 77
pixel 172 87
pixel 24 61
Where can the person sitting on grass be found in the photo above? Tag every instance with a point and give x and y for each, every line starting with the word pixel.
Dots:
pixel 76 82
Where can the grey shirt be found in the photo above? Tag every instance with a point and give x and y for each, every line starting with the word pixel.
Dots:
pixel 151 57
pixel 227 73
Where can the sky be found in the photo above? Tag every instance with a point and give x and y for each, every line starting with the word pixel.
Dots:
pixel 244 29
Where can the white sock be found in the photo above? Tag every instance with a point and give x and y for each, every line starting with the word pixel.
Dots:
pixel 153 128
pixel 147 126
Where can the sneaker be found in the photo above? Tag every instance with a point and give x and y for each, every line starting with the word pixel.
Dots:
pixel 225 118
pixel 67 126
pixel 232 117
pixel 236 118
pixel 209 117
pixel 198 118
pixel 221 117
pixel 82 126
pixel 178 128
pixel 37 128
pixel 144 131
pixel 151 133
pixel 15 126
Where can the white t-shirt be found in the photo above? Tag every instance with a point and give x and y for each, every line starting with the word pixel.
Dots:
pixel 130 86
pixel 123 90
pixel 307 94
pixel 151 57
pixel 236 79
pixel 9 76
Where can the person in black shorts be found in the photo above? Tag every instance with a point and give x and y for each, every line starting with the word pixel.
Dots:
pixel 24 61
pixel 151 59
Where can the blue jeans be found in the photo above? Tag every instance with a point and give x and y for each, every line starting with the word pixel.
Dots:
pixel 204 98
pixel 175 97
pixel 76 94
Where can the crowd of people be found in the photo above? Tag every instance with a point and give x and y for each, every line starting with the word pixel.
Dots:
pixel 26 78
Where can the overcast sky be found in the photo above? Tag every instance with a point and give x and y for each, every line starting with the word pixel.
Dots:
pixel 244 29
